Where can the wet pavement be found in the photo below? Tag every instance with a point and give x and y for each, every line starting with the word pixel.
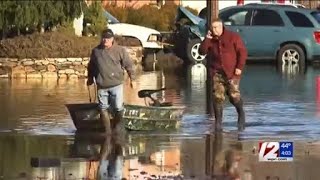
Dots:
pixel 38 139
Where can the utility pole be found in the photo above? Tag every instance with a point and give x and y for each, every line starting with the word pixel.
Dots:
pixel 212 13
pixel 213 142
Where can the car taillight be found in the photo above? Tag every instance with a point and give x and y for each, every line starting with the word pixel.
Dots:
pixel 316 36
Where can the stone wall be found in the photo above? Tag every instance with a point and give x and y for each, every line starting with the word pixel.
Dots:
pixel 53 67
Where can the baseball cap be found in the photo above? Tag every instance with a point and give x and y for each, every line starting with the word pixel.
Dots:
pixel 107 34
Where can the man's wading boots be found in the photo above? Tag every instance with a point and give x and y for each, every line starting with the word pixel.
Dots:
pixel 105 118
pixel 118 125
pixel 241 115
pixel 218 114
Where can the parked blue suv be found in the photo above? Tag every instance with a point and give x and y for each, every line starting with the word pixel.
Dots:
pixel 288 34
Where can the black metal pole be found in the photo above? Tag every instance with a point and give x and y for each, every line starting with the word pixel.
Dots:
pixel 209 79
pixel 208 158
pixel 212 12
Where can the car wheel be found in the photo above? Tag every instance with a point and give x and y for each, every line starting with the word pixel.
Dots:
pixel 193 54
pixel 291 59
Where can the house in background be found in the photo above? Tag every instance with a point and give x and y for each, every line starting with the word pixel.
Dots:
pixel 138 3
pixel 309 3
pixel 200 4
pixel 78 25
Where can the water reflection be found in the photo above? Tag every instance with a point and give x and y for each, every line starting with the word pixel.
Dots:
pixel 219 156
pixel 17 151
pixel 138 157
pixel 111 159
pixel 223 163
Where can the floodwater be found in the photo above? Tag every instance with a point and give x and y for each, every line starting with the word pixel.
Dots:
pixel 38 139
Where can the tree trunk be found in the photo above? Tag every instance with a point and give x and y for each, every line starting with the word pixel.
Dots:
pixel 40 28
pixel 54 28
pixel 4 34
pixel 18 31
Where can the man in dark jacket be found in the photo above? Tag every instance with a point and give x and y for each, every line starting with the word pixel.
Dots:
pixel 227 56
pixel 107 63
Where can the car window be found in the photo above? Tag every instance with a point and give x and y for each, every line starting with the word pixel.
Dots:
pixel 316 15
pixel 237 18
pixel 266 17
pixel 298 19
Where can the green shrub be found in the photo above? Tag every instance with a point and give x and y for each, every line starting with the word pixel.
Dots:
pixel 47 45
pixel 59 44
pixel 145 16
pixel 120 13
pixel 162 19
pixel 23 17
pixel 94 19
pixel 64 43
pixel 193 11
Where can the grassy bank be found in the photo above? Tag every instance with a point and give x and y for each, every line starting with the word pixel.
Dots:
pixel 53 45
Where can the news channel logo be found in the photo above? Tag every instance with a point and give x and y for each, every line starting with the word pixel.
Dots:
pixel 276 151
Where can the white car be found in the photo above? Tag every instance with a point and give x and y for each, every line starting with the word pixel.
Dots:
pixel 149 38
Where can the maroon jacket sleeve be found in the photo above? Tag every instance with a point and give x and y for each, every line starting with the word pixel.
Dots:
pixel 204 46
pixel 242 53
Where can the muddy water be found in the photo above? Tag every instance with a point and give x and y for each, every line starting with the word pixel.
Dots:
pixel 34 124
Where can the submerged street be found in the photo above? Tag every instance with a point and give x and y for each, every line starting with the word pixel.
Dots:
pixel 34 123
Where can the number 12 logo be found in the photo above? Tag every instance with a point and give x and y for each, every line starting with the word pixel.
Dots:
pixel 268 151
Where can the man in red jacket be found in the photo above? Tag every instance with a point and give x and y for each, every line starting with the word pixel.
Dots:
pixel 226 54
